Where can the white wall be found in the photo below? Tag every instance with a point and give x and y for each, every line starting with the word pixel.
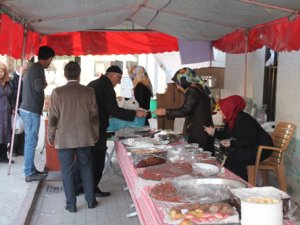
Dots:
pixel 288 84
pixel 287 98
pixel 235 75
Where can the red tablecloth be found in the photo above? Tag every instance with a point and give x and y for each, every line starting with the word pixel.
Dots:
pixel 148 212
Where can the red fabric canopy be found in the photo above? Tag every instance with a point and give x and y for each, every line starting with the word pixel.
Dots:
pixel 11 39
pixel 82 43
pixel 107 43
pixel 279 35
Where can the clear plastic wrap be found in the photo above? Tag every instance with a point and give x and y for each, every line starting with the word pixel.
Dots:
pixel 196 213
pixel 125 132
pixel 189 190
pixel 143 157
pixel 167 170
pixel 205 169
pixel 139 142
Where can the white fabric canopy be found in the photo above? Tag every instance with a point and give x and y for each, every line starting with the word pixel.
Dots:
pixel 185 19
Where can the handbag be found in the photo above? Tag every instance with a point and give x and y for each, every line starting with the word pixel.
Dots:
pixel 19 129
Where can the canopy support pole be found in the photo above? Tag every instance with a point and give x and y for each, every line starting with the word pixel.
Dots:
pixel 17 101
pixel 246 66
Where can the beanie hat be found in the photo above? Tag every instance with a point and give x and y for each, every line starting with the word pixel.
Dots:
pixel 114 69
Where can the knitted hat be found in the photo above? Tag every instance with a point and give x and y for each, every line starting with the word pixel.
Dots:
pixel 114 69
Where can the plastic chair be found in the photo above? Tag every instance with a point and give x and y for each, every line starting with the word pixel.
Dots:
pixel 281 136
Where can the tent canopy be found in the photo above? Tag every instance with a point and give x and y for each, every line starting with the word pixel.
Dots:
pixel 234 25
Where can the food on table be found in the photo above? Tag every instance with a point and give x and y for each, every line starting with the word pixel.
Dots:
pixel 165 192
pixel 210 159
pixel 167 170
pixel 148 157
pixel 262 200
pixel 198 213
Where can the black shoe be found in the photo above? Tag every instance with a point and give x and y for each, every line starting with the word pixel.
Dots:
pixel 44 173
pixel 34 177
pixel 92 205
pixel 72 209
pixel 100 193
pixel 79 192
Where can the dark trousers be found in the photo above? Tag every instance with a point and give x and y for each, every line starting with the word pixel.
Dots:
pixel 19 144
pixel 3 151
pixel 238 160
pixel 98 157
pixel 84 160
pixel 98 162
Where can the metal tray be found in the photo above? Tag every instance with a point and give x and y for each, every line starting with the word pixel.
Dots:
pixel 222 181
pixel 205 190
pixel 205 169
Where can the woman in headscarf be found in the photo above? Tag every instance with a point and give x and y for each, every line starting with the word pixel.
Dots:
pixel 241 136
pixel 196 108
pixel 142 87
pixel 5 111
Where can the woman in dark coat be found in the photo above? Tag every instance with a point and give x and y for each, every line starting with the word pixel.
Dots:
pixel 196 108
pixel 5 112
pixel 142 88
pixel 241 136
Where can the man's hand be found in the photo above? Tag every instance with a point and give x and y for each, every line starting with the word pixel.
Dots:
pixel 51 143
pixel 140 113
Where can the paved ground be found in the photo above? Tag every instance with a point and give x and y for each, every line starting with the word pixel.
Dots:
pixel 17 196
pixel 110 211
pixel 13 187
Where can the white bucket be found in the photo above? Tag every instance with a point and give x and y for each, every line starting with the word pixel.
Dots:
pixel 261 211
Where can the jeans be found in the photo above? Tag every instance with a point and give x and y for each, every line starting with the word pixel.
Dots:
pixel 31 129
pixel 84 160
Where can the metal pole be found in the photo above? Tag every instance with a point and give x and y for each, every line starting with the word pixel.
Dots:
pixel 17 101
pixel 246 65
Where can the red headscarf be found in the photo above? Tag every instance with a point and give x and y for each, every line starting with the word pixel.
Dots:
pixel 231 106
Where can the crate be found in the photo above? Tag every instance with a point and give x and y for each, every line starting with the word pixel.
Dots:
pixel 117 124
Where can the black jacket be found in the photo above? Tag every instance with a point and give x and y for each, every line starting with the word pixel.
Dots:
pixel 247 132
pixel 107 103
pixel 196 110
pixel 143 95
pixel 246 136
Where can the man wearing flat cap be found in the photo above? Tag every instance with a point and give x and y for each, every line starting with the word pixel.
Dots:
pixel 107 106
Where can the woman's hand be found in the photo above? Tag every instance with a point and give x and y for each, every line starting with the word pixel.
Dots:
pixel 209 130
pixel 160 112
pixel 225 143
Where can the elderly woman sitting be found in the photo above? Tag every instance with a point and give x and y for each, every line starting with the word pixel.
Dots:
pixel 241 136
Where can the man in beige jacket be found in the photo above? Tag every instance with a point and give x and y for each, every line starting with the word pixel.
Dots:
pixel 73 129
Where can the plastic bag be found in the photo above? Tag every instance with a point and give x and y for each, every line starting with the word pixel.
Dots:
pixel 261 115
pixel 19 129
pixel 128 104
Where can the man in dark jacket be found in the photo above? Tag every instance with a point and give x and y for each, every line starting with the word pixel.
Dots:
pixel 107 106
pixel 32 107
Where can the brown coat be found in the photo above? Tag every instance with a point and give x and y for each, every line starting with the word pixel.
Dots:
pixel 73 116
